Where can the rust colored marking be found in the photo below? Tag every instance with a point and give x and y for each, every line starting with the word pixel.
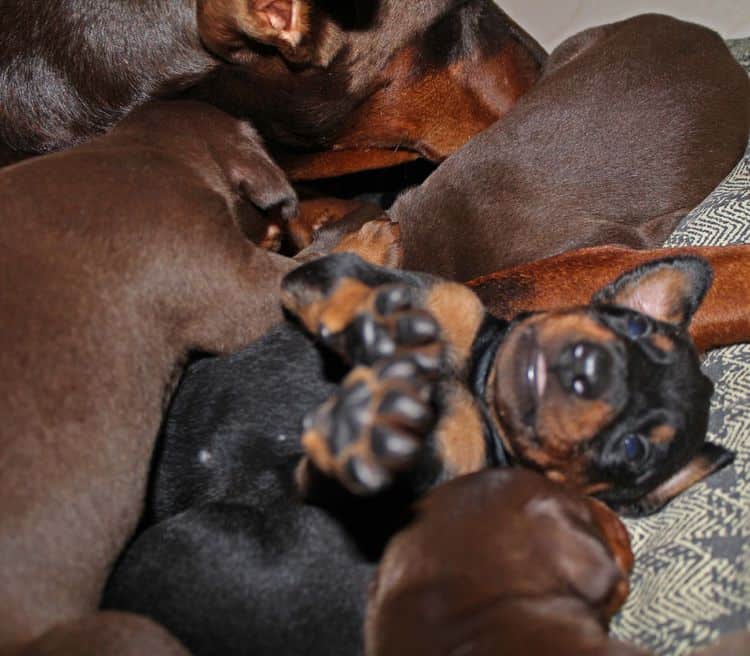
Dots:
pixel 460 436
pixel 316 448
pixel 571 278
pixel 662 342
pixel 438 111
pixel 316 213
pixel 662 434
pixel 300 167
pixel 377 242
pixel 460 314
pixel 335 311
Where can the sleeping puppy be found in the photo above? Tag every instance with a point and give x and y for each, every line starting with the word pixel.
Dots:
pixel 119 258
pixel 614 145
pixel 501 562
pixel 319 76
pixel 413 384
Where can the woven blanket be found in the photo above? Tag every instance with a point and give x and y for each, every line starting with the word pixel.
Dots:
pixel 691 582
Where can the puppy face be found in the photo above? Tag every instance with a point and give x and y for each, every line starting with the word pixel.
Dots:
pixel 609 398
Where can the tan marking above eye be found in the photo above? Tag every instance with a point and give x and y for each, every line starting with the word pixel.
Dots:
pixel 662 433
pixel 662 342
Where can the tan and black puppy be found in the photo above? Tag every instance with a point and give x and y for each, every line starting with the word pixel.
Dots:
pixel 119 258
pixel 606 397
pixel 362 78
pixel 501 562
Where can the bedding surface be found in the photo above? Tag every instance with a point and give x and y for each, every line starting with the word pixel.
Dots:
pixel 691 582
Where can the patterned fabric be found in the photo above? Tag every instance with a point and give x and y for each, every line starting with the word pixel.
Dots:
pixel 691 582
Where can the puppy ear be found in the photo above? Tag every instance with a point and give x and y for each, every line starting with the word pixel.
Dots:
pixel 669 290
pixel 226 25
pixel 711 458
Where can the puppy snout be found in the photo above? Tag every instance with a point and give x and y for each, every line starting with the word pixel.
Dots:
pixel 585 369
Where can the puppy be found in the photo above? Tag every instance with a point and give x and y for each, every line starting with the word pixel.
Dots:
pixel 414 384
pixel 319 76
pixel 501 562
pixel 613 146
pixel 120 257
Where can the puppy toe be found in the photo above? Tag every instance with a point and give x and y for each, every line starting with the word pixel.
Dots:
pixel 365 477
pixel 416 329
pixel 404 410
pixel 394 447
pixel 367 341
pixel 394 298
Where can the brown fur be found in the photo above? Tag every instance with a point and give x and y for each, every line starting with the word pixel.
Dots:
pixel 120 257
pixel 501 562
pixel 459 435
pixel 571 278
pixel 613 145
pixel 376 242
pixel 662 433
pixel 315 213
pixel 226 26
pixel 312 85
pixel 459 314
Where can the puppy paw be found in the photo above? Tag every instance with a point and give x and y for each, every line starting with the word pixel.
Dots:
pixel 365 324
pixel 388 323
pixel 373 427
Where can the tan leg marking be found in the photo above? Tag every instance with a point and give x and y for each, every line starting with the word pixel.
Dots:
pixel 377 242
pixel 459 436
pixel 460 313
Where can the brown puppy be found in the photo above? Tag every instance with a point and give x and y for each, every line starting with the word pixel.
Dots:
pixel 119 257
pixel 631 125
pixel 423 76
pixel 501 562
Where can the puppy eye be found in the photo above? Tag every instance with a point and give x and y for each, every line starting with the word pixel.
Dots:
pixel 637 326
pixel 635 449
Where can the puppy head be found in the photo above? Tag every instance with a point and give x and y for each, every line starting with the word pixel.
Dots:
pixel 349 86
pixel 610 398
pixel 484 542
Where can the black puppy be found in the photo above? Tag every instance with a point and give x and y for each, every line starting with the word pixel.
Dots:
pixel 608 398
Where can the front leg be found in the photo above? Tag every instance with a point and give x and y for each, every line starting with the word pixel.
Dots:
pixel 393 420
pixel 365 312
pixel 403 408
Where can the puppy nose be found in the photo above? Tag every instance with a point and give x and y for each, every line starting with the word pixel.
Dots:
pixel 585 369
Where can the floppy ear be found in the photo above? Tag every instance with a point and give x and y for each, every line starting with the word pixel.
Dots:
pixel 669 290
pixel 711 458
pixel 226 25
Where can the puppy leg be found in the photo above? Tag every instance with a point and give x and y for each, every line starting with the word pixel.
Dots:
pixel 116 634
pixel 374 426
pixel 393 419
pixel 365 313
